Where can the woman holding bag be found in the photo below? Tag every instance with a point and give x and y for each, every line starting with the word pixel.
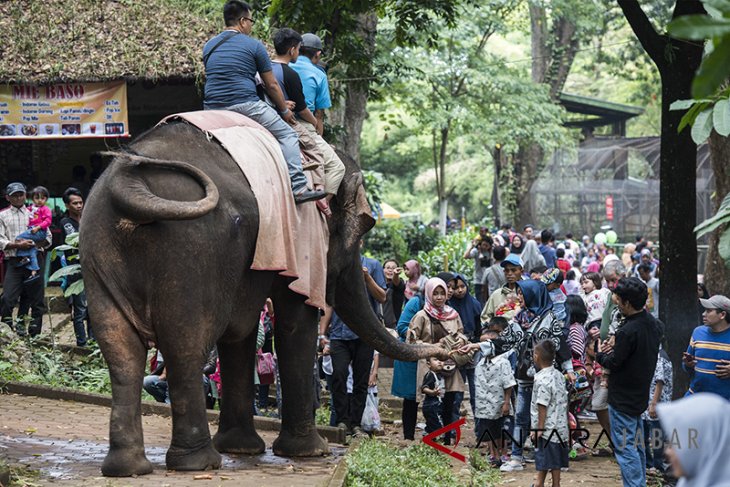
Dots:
pixel 433 324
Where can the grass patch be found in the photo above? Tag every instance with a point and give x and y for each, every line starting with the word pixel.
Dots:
pixel 378 463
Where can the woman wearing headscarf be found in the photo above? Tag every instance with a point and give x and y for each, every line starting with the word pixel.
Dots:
pixel 531 257
pixel 416 281
pixel 404 373
pixel 517 245
pixel 469 310
pixel 431 325
pixel 534 323
pixel 697 429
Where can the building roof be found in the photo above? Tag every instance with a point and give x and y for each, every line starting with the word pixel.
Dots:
pixel 599 112
pixel 100 40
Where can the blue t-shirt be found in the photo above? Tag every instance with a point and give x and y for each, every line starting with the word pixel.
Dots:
pixel 548 253
pixel 338 329
pixel 231 70
pixel 708 348
pixel 314 83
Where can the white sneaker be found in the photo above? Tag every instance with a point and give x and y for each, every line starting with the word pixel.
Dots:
pixel 512 466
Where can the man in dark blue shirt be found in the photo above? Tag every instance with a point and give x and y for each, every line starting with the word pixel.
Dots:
pixel 231 60
pixel 546 248
pixel 346 349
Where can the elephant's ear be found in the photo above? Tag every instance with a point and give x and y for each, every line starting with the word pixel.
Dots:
pixel 357 209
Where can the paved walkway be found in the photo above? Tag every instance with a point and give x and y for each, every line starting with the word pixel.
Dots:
pixel 67 442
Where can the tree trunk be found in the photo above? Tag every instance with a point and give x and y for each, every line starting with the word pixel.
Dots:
pixel 353 111
pixel 443 213
pixel 717 275
pixel 441 177
pixel 552 53
pixel 677 62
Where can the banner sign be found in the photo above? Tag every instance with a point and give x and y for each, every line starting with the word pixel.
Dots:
pixel 63 111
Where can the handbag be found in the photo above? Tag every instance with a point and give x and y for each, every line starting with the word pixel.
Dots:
pixel 449 368
pixel 266 368
pixel 452 343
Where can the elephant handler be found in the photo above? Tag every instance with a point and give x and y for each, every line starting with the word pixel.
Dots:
pixel 346 349
pixel 317 96
pixel 231 60
pixel 14 221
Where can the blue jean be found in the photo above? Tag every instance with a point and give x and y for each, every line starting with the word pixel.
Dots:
pixel 628 446
pixel 652 433
pixel 285 135
pixel 432 412
pixel 31 253
pixel 521 429
pixel 81 315
pixel 157 388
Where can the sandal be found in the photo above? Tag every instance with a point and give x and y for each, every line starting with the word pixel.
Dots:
pixel 324 207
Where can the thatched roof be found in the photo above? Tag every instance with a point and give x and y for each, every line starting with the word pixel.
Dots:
pixel 100 40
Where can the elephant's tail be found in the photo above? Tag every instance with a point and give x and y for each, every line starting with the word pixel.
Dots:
pixel 131 195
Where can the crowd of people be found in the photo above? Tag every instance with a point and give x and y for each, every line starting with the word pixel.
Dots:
pixel 551 332
pixel 25 235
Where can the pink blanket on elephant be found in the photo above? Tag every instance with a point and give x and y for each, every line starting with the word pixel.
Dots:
pixel 292 239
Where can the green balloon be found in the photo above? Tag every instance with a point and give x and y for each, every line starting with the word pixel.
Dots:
pixel 600 238
pixel 611 237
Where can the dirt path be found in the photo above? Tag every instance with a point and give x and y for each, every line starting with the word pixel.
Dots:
pixel 67 441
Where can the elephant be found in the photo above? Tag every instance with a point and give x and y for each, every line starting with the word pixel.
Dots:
pixel 168 235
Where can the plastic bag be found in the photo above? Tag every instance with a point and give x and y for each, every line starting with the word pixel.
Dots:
pixel 371 416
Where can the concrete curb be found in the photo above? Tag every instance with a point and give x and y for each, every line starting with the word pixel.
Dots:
pixel 331 434
pixel 339 476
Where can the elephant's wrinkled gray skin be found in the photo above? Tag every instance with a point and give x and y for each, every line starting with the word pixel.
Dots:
pixel 167 247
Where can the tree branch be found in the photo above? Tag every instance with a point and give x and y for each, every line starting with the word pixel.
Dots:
pixel 650 40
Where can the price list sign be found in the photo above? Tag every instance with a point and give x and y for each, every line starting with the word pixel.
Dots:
pixel 62 111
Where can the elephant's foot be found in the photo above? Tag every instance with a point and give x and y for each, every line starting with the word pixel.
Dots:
pixel 205 458
pixel 125 463
pixel 238 440
pixel 309 445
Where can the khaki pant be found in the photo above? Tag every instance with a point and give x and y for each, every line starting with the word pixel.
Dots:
pixel 334 169
pixel 313 159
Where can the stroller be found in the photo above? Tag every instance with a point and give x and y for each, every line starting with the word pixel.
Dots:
pixel 579 398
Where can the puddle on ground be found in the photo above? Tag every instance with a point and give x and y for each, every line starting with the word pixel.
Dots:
pixel 68 459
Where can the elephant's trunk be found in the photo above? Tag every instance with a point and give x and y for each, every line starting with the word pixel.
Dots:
pixel 353 306
pixel 131 195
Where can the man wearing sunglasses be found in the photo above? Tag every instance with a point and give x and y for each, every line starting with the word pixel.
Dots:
pixel 232 59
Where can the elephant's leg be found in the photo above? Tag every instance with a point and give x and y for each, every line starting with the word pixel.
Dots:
pixel 126 355
pixel 236 433
pixel 296 348
pixel 191 447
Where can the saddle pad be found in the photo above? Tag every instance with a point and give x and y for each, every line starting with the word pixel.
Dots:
pixel 292 239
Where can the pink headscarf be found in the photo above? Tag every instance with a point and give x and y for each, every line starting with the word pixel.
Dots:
pixel 594 267
pixel 446 312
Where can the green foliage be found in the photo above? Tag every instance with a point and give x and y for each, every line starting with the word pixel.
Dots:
pixel 448 254
pixel 72 247
pixel 400 240
pixel 715 67
pixel 721 218
pixel 49 366
pixel 377 463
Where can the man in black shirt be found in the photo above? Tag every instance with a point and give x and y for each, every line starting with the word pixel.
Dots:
pixel 286 43
pixel 632 358
pixel 74 202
